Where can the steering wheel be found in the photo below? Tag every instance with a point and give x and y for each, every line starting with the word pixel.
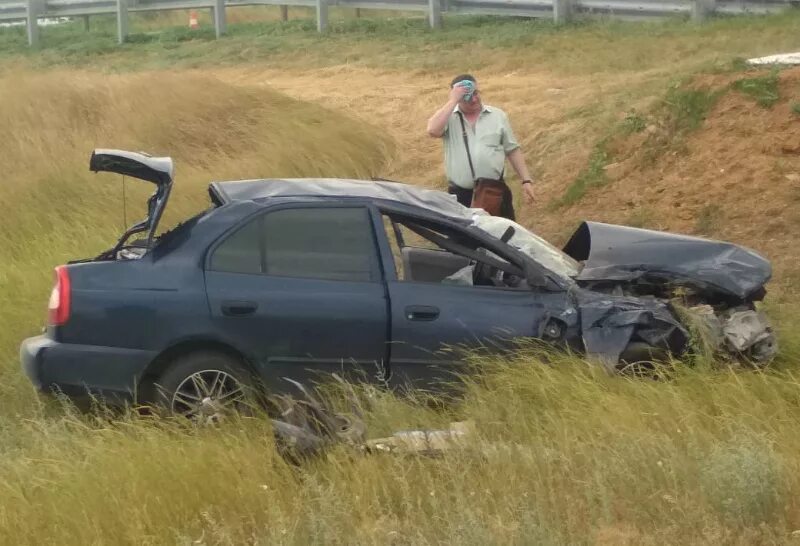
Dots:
pixel 483 274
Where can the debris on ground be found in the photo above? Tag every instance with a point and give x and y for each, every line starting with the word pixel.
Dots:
pixel 308 425
pixel 424 442
pixel 781 58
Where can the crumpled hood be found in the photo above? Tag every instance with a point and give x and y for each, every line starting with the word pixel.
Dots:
pixel 620 253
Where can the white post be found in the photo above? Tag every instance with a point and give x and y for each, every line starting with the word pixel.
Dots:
pixel 220 21
pixel 32 21
pixel 435 13
pixel 322 15
pixel 562 11
pixel 122 21
pixel 701 9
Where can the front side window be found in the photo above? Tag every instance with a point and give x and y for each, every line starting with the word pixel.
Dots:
pixel 446 256
pixel 320 243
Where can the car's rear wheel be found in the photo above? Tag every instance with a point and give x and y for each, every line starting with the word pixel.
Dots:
pixel 206 387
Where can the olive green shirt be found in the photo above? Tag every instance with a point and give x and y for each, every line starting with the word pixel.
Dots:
pixel 490 140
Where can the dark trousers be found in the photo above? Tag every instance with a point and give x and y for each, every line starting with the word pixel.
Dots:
pixel 464 196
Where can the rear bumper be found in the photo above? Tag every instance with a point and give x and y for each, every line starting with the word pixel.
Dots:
pixel 111 374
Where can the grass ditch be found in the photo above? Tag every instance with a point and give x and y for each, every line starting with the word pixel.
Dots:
pixel 564 454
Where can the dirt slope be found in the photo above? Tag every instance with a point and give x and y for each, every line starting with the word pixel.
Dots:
pixel 735 177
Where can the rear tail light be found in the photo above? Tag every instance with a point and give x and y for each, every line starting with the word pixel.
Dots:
pixel 58 309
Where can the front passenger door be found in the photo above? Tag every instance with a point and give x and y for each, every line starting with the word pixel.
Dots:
pixel 437 311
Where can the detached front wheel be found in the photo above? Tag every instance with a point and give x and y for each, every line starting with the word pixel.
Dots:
pixel 205 387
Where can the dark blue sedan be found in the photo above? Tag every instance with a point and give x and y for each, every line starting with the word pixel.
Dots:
pixel 377 281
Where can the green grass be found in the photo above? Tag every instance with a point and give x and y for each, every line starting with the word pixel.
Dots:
pixel 686 109
pixel 405 42
pixel 592 176
pixel 633 123
pixel 764 89
pixel 796 108
pixel 564 454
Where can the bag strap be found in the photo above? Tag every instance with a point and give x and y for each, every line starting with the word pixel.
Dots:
pixel 466 144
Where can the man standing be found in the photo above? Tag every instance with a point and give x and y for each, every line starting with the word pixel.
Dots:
pixel 477 140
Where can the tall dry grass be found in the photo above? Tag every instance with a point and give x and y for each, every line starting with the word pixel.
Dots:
pixel 563 454
pixel 54 209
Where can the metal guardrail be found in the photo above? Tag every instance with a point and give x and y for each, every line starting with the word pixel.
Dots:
pixel 30 11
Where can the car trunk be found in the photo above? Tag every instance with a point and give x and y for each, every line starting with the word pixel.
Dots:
pixel 155 170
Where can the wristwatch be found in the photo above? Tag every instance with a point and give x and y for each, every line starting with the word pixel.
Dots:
pixel 527 181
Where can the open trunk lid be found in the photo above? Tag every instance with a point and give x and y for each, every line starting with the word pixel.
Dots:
pixel 157 170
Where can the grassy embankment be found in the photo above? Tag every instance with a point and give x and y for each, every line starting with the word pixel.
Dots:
pixel 564 454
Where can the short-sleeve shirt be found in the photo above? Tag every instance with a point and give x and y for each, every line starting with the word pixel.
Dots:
pixel 490 141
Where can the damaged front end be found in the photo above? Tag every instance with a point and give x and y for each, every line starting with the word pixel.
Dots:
pixel 619 330
pixel 680 287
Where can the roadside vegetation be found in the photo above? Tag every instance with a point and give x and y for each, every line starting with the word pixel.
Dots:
pixel 563 453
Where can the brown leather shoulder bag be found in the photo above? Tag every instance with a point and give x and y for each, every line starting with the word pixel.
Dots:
pixel 488 193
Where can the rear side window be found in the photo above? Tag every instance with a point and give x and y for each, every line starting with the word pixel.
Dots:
pixel 320 243
pixel 240 252
pixel 315 243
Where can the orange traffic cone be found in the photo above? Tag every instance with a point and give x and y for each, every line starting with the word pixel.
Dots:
pixel 193 19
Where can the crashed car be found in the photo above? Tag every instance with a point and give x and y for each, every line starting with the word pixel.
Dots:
pixel 372 280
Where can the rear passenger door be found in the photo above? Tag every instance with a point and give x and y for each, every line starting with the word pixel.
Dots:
pixel 301 289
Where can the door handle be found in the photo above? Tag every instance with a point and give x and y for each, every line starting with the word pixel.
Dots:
pixel 422 312
pixel 234 308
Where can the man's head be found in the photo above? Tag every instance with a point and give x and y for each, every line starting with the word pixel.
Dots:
pixel 474 103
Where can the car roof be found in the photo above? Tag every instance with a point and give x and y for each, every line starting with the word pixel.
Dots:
pixel 251 190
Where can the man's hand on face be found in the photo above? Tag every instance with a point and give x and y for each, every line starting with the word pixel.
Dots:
pixel 457 93
pixel 528 193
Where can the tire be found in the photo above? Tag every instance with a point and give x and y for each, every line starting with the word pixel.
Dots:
pixel 642 359
pixel 205 386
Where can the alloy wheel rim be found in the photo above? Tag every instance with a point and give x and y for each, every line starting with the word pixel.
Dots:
pixel 208 396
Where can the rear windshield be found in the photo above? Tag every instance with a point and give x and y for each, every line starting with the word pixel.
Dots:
pixel 175 236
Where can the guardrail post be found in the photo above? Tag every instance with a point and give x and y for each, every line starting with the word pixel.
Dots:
pixel 435 13
pixel 32 21
pixel 562 11
pixel 701 9
pixel 122 21
pixel 284 13
pixel 220 20
pixel 322 15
